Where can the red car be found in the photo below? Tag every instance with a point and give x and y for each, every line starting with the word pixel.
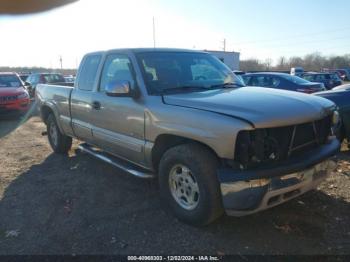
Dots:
pixel 14 98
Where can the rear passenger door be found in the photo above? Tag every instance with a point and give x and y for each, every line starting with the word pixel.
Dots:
pixel 81 98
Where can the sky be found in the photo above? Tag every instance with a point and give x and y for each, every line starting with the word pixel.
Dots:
pixel 262 29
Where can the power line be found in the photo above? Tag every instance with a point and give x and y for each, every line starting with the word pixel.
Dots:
pixel 61 60
pixel 310 42
pixel 321 50
pixel 292 37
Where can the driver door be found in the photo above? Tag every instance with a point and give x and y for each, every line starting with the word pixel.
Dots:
pixel 118 122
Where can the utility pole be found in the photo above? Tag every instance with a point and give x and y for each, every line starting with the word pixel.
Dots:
pixel 224 42
pixel 61 61
pixel 154 33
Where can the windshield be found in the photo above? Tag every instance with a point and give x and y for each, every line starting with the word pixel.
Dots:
pixel 9 81
pixel 184 71
pixel 295 79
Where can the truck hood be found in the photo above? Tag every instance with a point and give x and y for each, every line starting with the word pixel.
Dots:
pixel 11 91
pixel 261 107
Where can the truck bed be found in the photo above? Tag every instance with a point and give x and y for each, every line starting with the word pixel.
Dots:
pixel 58 98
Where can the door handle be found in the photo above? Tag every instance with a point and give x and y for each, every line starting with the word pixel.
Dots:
pixel 96 105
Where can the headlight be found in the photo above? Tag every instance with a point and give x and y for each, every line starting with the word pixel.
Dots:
pixel 335 118
pixel 23 95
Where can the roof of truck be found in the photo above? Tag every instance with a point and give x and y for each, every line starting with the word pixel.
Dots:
pixel 142 50
pixel 267 73
pixel 145 50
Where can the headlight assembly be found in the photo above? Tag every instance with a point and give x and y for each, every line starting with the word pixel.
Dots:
pixel 335 118
pixel 23 95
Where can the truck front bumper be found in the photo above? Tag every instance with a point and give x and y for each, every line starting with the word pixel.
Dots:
pixel 247 192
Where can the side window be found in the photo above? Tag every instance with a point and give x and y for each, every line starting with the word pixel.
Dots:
pixel 35 79
pixel 254 81
pixel 29 79
pixel 334 77
pixel 309 78
pixel 275 82
pixel 116 68
pixel 88 72
pixel 246 79
pixel 268 81
pixel 260 81
pixel 41 79
pixel 320 78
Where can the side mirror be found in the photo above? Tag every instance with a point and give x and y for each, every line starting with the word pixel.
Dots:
pixel 119 88
pixel 28 86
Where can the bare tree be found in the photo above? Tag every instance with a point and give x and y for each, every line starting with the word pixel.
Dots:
pixel 310 62
pixel 268 63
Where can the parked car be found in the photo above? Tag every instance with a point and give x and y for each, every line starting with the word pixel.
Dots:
pixel 329 80
pixel 183 117
pixel 347 74
pixel 341 97
pixel 344 74
pixel 14 98
pixel 239 75
pixel 69 79
pixel 345 87
pixel 282 81
pixel 43 78
pixel 296 71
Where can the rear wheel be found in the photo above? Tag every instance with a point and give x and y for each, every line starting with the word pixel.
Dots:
pixel 59 142
pixel 189 185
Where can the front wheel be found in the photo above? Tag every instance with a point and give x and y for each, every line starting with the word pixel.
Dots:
pixel 59 142
pixel 189 185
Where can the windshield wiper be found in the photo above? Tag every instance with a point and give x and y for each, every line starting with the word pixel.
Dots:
pixel 183 88
pixel 227 85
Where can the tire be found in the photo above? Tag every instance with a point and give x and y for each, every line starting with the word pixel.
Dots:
pixel 60 143
pixel 204 207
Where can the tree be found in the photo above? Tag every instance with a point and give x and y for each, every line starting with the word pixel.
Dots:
pixel 310 62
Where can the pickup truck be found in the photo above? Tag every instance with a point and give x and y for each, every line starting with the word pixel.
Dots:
pixel 183 117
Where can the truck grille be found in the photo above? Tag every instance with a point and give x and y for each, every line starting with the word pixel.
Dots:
pixel 5 99
pixel 261 146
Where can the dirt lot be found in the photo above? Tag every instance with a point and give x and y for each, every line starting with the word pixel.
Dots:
pixel 53 204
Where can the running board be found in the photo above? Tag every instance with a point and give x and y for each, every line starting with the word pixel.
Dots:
pixel 119 163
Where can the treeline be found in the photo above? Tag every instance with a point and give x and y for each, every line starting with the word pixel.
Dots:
pixel 310 62
pixel 64 71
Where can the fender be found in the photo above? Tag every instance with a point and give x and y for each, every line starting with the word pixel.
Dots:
pixel 54 109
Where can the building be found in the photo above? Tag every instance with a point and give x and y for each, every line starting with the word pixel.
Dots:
pixel 231 59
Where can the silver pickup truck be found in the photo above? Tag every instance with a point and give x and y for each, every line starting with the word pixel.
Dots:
pixel 182 116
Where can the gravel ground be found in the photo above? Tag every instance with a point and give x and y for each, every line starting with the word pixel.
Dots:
pixel 75 204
